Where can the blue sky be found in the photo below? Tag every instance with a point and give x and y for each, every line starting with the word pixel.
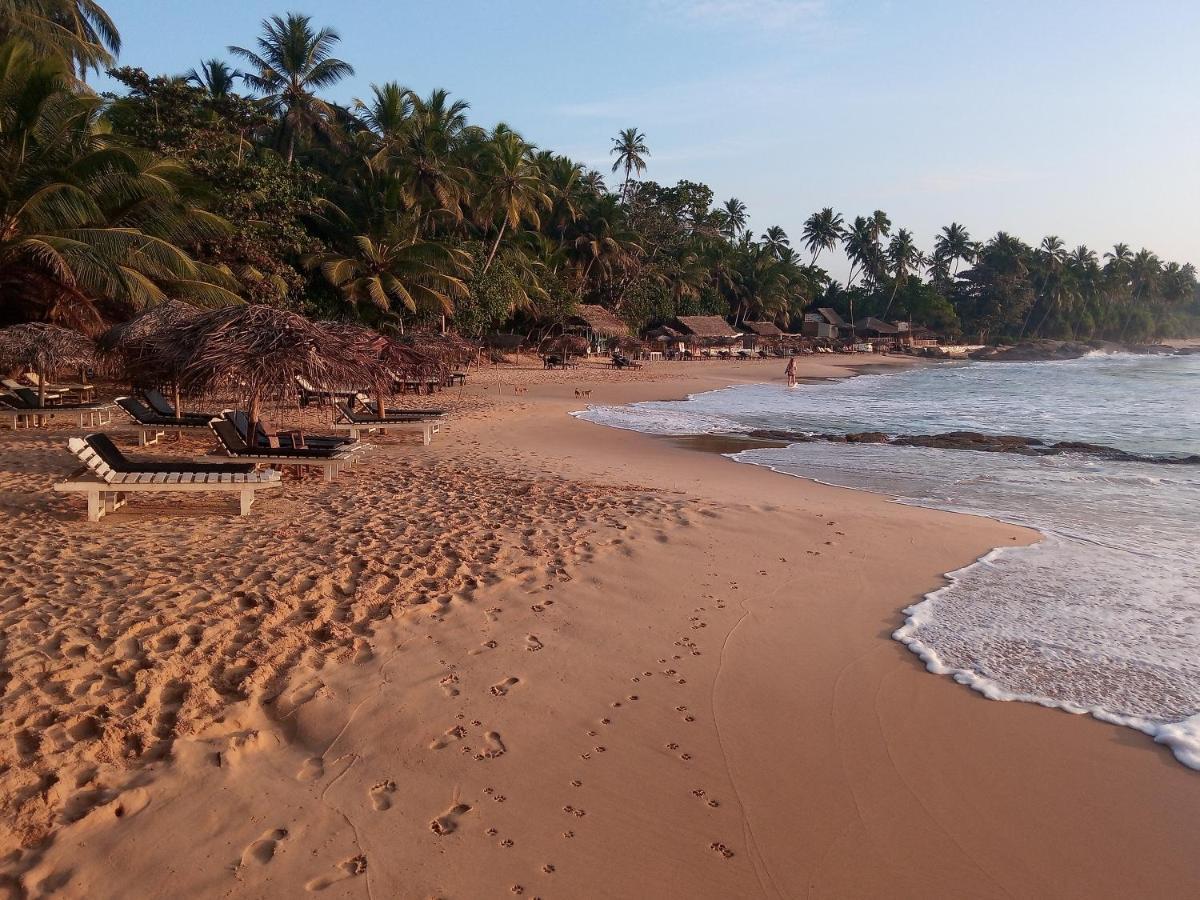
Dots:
pixel 1055 117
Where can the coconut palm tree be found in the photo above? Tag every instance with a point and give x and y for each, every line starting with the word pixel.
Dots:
pixel 629 148
pixel 85 221
pixel 953 245
pixel 904 258
pixel 215 77
pixel 419 276
pixel 822 231
pixel 515 189
pixel 389 110
pixel 735 216
pixel 428 160
pixel 776 240
pixel 291 63
pixel 78 32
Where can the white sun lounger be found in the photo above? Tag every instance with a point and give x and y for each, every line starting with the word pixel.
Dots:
pixel 106 488
pixel 330 464
pixel 355 429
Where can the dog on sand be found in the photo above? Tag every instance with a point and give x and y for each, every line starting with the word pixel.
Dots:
pixel 583 395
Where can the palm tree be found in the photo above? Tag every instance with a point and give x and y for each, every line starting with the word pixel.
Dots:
pixel 215 77
pixel 389 110
pixel 859 245
pixel 735 216
pixel 904 258
pixel 879 226
pixel 776 240
pixel 515 189
pixel 822 231
pixel 293 61
pixel 953 245
pixel 428 159
pixel 78 32
pixel 630 149
pixel 420 276
pixel 85 221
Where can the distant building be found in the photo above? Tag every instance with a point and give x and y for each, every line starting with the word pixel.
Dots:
pixel 825 323
pixel 597 326
pixel 706 330
pixel 761 335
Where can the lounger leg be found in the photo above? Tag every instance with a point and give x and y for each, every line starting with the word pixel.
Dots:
pixel 95 506
pixel 329 472
pixel 247 500
pixel 427 435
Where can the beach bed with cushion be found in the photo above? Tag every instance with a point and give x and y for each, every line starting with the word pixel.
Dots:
pixel 153 426
pixel 268 436
pixel 108 477
pixel 312 394
pixel 330 461
pixel 21 407
pixel 426 422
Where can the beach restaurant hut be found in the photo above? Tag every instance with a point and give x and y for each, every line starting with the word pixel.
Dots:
pixel 596 325
pixel 762 336
pixel 825 323
pixel 877 332
pixel 707 331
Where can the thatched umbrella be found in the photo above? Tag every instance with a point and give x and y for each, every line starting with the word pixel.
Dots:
pixel 262 351
pixel 46 350
pixel 140 346
pixel 565 344
pixel 396 358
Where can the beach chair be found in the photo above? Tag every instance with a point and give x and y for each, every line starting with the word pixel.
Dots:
pixel 163 407
pixel 312 394
pixel 84 391
pixel 426 422
pixel 153 426
pixel 268 436
pixel 22 407
pixel 108 477
pixel 330 461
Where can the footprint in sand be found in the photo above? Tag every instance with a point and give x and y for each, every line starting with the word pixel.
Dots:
pixel 312 769
pixel 494 746
pixel 501 688
pixel 347 868
pixel 262 851
pixel 449 685
pixel 483 648
pixel 381 795
pixel 457 733
pixel 447 822
pixel 532 643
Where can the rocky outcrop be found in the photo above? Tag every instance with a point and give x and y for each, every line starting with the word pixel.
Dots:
pixel 1044 351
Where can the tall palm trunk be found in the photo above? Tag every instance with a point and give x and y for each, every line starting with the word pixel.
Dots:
pixel 495 246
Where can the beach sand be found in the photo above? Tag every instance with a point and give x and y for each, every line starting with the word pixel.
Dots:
pixel 540 657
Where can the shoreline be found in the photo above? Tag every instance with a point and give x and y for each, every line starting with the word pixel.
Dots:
pixel 835 765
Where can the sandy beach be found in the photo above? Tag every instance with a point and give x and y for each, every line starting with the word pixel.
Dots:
pixel 540 657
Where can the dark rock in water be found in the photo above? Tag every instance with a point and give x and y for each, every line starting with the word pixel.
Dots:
pixel 971 440
pixel 867 437
pixel 1187 351
pixel 1034 351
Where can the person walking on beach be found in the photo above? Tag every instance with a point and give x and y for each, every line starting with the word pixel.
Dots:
pixel 790 372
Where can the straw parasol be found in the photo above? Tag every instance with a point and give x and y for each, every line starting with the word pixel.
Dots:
pixel 138 346
pixel 262 351
pixel 396 358
pixel 46 350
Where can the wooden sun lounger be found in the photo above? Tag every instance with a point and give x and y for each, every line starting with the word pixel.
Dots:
pixel 88 416
pixel 106 488
pixel 330 463
pixel 152 426
pixel 427 428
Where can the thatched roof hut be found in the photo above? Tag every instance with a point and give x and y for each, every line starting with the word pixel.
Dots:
pixel 45 350
pixel 873 327
pixel 707 329
pixel 763 329
pixel 598 320
pixel 139 347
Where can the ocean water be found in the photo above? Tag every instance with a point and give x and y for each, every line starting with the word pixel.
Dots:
pixel 1103 615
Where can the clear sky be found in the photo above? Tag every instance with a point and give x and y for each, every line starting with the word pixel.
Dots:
pixel 1070 117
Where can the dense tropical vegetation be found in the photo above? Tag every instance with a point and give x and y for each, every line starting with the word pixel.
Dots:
pixel 227 184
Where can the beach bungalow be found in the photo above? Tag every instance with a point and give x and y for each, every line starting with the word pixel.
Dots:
pixel 762 336
pixel 706 331
pixel 877 332
pixel 825 323
pixel 597 325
